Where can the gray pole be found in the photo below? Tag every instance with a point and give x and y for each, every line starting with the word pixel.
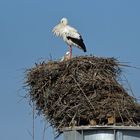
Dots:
pixel 102 133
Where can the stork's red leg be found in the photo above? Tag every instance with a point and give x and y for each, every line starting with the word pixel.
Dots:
pixel 70 52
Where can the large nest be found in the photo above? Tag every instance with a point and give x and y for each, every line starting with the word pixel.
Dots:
pixel 81 91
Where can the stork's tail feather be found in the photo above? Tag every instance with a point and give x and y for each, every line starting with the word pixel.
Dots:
pixel 84 47
pixel 79 42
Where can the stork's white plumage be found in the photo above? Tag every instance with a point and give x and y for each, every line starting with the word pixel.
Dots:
pixel 66 56
pixel 69 34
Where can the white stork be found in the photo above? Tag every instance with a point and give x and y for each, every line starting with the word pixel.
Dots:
pixel 69 34
pixel 66 57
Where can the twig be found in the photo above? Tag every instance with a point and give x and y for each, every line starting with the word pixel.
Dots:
pixel 44 130
pixel 29 133
pixel 71 123
pixel 53 133
pixel 84 93
pixel 129 85
pixel 33 122
pixel 124 65
pixel 119 112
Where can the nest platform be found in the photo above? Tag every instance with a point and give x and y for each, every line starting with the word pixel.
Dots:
pixel 82 91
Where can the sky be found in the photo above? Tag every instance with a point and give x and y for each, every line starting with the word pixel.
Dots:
pixel 110 28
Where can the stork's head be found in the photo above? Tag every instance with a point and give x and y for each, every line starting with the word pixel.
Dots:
pixel 64 21
pixel 67 53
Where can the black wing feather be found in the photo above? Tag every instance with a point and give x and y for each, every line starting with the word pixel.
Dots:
pixel 79 42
